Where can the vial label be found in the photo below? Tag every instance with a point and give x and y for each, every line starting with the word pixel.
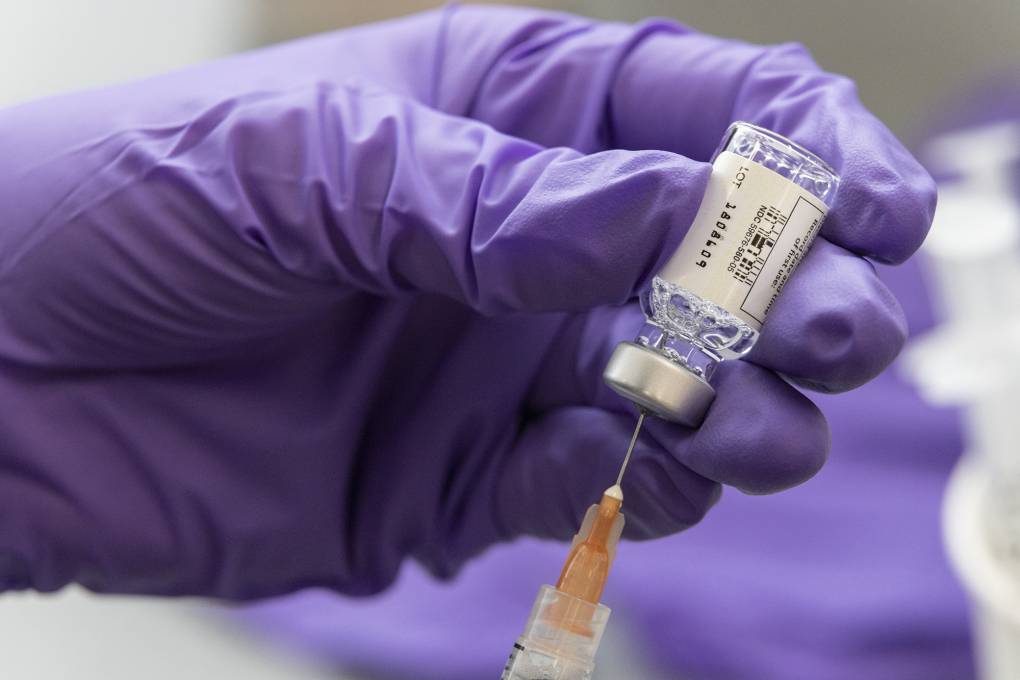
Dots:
pixel 752 230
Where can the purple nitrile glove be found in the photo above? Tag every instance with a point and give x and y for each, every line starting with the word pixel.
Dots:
pixel 289 318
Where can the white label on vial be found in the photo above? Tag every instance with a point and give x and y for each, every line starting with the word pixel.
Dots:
pixel 752 230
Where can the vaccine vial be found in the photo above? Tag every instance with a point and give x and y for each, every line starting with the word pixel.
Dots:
pixel 764 204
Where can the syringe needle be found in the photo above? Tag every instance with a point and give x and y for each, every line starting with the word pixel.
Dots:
pixel 630 449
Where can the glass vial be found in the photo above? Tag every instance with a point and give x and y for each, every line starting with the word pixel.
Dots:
pixel 764 205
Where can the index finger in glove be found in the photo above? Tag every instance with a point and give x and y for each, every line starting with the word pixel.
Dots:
pixel 660 85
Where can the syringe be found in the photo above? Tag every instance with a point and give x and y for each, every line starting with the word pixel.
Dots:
pixel 567 622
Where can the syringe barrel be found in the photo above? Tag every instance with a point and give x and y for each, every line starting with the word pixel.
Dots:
pixel 560 640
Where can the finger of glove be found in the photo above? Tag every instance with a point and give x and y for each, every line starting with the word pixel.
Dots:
pixel 760 435
pixel 371 191
pixel 670 88
pixel 835 326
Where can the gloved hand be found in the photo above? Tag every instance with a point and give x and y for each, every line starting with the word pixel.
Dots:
pixel 813 583
pixel 289 318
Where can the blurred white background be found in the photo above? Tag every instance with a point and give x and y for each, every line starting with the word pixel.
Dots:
pixel 905 54
pixel 55 45
pixel 78 636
